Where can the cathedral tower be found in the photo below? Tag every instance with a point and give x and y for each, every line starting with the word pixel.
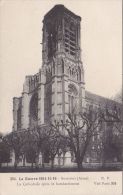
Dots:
pixel 61 55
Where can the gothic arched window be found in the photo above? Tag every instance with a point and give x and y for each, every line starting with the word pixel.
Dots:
pixel 79 73
pixel 19 118
pixel 34 110
pixel 62 66
pixel 70 36
pixel 48 102
pixel 53 68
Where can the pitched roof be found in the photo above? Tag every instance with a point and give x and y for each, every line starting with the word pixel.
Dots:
pixel 100 100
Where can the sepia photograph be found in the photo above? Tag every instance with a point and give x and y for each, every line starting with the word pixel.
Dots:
pixel 61 86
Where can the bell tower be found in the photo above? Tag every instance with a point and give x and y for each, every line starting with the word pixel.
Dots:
pixel 61 55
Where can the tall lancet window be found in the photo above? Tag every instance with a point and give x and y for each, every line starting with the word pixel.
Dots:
pixel 72 98
pixel 19 118
pixel 34 111
pixel 70 36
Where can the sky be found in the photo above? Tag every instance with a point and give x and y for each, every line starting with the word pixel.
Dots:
pixel 21 52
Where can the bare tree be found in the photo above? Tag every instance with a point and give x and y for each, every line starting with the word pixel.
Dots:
pixel 49 142
pixel 56 144
pixel 30 148
pixel 79 129
pixel 41 135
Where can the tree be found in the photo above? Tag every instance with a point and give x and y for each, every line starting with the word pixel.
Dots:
pixel 112 142
pixel 30 148
pixel 56 144
pixel 15 141
pixel 31 155
pixel 4 151
pixel 79 129
pixel 49 143
pixel 41 135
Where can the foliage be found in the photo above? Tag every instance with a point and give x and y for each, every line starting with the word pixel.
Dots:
pixel 112 142
pixel 4 151
pixel 15 141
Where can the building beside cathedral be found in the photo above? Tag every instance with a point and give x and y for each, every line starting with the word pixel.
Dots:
pixel 59 86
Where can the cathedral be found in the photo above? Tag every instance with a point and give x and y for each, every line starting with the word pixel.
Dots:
pixel 59 86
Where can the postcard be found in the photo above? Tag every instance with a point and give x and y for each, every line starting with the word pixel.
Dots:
pixel 61 124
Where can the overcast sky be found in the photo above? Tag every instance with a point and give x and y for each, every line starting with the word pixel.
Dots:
pixel 20 49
